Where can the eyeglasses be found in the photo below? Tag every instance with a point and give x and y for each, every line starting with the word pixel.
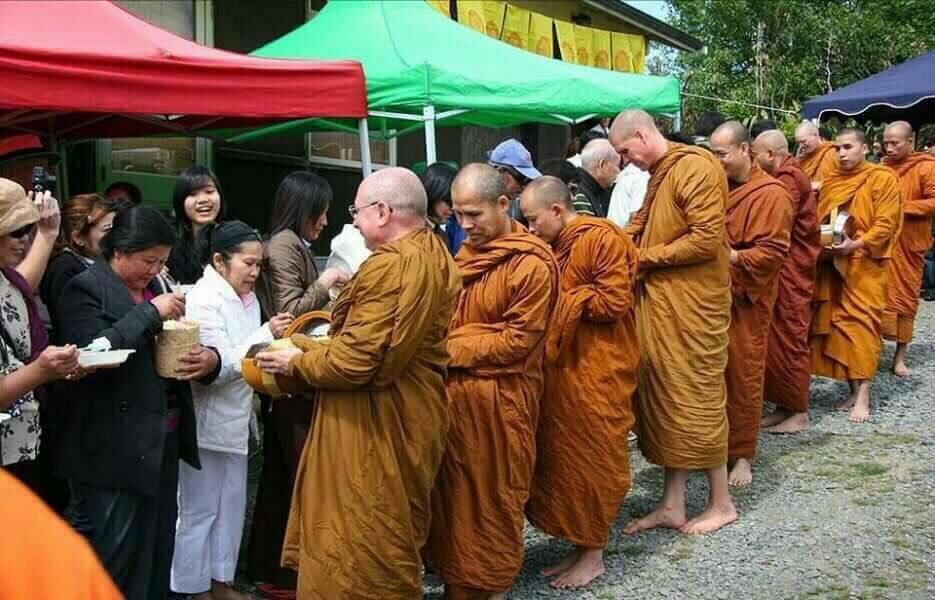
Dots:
pixel 22 231
pixel 353 210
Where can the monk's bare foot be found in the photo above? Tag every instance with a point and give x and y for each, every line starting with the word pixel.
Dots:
pixel 796 423
pixel 775 418
pixel 741 475
pixel 847 404
pixel 497 596
pixel 712 519
pixel 861 412
pixel 561 566
pixel 900 369
pixel 669 518
pixel 588 567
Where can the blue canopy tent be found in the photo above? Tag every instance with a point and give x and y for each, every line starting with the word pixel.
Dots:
pixel 904 92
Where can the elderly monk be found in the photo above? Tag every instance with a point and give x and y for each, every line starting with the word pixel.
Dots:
pixel 682 317
pixel 497 343
pixel 360 511
pixel 759 222
pixel 817 158
pixel 788 362
pixel 852 276
pixel 916 171
pixel 582 464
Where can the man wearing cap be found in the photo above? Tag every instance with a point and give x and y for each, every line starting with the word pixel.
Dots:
pixel 514 163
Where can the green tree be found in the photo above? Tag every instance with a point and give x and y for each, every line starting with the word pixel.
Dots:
pixel 778 53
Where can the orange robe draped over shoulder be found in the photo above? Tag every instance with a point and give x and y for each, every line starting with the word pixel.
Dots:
pixel 788 362
pixel 820 163
pixel 759 222
pixel 682 311
pixel 582 463
pixel 360 510
pixel 497 343
pixel 850 291
pixel 917 182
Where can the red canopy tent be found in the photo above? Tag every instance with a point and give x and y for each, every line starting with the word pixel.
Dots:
pixel 83 69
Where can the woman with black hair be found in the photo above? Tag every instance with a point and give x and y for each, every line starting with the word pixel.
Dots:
pixel 197 202
pixel 126 428
pixel 437 180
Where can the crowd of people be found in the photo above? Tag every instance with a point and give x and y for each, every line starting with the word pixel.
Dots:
pixel 484 366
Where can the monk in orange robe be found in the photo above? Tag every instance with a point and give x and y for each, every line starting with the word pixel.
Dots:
pixel 497 344
pixel 817 158
pixel 582 463
pixel 759 225
pixel 682 316
pixel 788 361
pixel 851 282
pixel 360 511
pixel 916 171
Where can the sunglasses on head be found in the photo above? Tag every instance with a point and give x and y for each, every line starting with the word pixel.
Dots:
pixel 22 231
pixel 519 177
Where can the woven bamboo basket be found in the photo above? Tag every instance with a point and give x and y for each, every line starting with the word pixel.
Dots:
pixel 177 339
pixel 281 385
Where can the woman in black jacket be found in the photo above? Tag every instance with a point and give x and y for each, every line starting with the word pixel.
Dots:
pixel 197 203
pixel 126 427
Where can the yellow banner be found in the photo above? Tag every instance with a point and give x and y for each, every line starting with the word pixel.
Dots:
pixel 600 45
pixel 442 6
pixel 584 41
pixel 629 52
pixel 485 16
pixel 566 40
pixel 540 35
pixel 516 27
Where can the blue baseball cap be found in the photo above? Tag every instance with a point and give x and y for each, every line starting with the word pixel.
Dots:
pixel 511 153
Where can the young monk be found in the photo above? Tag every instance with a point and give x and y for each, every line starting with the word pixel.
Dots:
pixel 916 171
pixel 850 286
pixel 788 362
pixel 497 342
pixel 817 157
pixel 759 221
pixel 360 512
pixel 682 317
pixel 582 463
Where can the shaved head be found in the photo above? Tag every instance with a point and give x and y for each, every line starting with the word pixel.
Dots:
pixel 545 191
pixel 637 140
pixel 769 150
pixel 399 188
pixel 857 133
pixel 851 147
pixel 901 128
pixel 548 208
pixel 806 128
pixel 773 140
pixel 629 122
pixel 898 141
pixel 730 143
pixel 807 138
pixel 732 132
pixel 481 180
pixel 480 202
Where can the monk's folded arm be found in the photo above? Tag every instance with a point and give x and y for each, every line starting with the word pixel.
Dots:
pixel 924 206
pixel 638 223
pixel 524 323
pixel 612 279
pixel 756 265
pixel 888 207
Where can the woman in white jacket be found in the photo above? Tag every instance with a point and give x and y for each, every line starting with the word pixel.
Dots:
pixel 212 501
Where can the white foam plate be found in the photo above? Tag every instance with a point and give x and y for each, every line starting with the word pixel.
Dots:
pixel 4 417
pixel 111 358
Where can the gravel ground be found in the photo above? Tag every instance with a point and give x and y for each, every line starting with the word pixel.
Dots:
pixel 842 511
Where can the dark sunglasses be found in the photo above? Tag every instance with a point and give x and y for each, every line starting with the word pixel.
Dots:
pixel 521 179
pixel 22 231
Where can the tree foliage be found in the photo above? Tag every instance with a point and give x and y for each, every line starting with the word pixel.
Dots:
pixel 778 53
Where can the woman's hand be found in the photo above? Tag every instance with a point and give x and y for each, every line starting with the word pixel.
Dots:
pixel 197 364
pixel 276 362
pixel 279 323
pixel 57 362
pixel 50 217
pixel 170 305
pixel 332 277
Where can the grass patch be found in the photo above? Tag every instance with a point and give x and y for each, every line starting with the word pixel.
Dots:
pixel 877 581
pixel 900 543
pixel 870 469
pixel 631 551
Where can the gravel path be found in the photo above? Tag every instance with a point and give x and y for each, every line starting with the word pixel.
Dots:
pixel 842 511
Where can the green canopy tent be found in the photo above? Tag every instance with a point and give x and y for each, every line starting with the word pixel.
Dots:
pixel 423 68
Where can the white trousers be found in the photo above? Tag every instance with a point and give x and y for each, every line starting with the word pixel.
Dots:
pixel 212 503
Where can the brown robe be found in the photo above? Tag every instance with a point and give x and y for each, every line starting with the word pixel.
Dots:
pixel 497 343
pixel 850 291
pixel 917 183
pixel 582 463
pixel 759 221
pixel 820 163
pixel 683 311
pixel 360 511
pixel 788 362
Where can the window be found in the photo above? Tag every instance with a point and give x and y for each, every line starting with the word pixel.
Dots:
pixel 343 150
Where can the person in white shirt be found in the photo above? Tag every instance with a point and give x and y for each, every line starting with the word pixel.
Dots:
pixel 212 501
pixel 628 194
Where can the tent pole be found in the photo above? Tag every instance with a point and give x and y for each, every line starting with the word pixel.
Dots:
pixel 677 121
pixel 428 115
pixel 364 137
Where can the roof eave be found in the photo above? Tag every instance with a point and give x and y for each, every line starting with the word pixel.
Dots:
pixel 657 30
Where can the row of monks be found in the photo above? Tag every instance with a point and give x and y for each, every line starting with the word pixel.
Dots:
pixel 458 397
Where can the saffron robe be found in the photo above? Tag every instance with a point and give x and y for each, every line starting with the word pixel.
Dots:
pixel 682 311
pixel 788 361
pixel 759 224
pixel 820 163
pixel 917 183
pixel 582 463
pixel 497 343
pixel 360 510
pixel 850 291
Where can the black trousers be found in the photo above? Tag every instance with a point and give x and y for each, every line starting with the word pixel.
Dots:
pixel 133 534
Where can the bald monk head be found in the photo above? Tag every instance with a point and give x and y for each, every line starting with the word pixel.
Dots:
pixel 898 141
pixel 807 138
pixel 479 200
pixel 390 204
pixel 851 147
pixel 730 143
pixel 548 207
pixel 637 140
pixel 769 149
pixel 600 160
